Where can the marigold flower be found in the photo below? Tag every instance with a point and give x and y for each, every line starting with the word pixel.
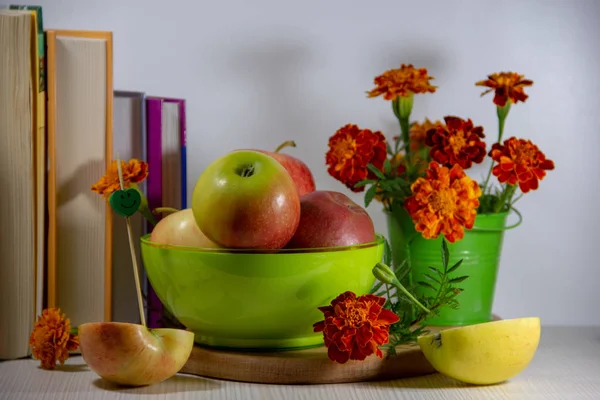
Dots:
pixel 51 338
pixel 134 171
pixel 354 327
pixel 418 133
pixel 459 142
pixel 351 149
pixel 521 161
pixel 507 85
pixel 402 82
pixel 444 201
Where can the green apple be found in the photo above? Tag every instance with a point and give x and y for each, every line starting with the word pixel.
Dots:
pixel 133 355
pixel 246 200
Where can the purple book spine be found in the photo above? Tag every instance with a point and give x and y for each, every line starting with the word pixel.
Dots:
pixel 154 190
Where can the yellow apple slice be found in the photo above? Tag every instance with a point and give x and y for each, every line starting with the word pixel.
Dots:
pixel 486 353
pixel 132 354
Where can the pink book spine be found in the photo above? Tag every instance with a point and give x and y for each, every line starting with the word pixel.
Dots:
pixel 154 192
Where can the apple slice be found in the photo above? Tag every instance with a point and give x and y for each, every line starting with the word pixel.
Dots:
pixel 133 355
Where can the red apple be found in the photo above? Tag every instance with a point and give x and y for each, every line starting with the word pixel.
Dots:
pixel 329 219
pixel 180 229
pixel 298 170
pixel 246 200
pixel 131 354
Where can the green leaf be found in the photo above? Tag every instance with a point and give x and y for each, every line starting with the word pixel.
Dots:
pixel 370 195
pixel 389 148
pixel 427 285
pixel 376 171
pixel 458 279
pixel 437 271
pixel 387 166
pixel 387 253
pixel 364 183
pixel 431 278
pixel 445 254
pixel 455 266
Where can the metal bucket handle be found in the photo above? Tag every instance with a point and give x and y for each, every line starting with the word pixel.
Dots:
pixel 504 228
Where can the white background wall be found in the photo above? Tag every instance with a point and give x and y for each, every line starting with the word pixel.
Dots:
pixel 261 72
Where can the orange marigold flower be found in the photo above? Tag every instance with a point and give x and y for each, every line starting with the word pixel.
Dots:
pixel 351 149
pixel 402 82
pixel 418 133
pixel 444 201
pixel 133 171
pixel 51 338
pixel 459 142
pixel 507 85
pixel 355 327
pixel 521 161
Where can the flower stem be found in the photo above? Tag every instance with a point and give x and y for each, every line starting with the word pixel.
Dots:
pixel 405 127
pixel 402 107
pixel 401 287
pixel 502 112
pixel 144 208
pixel 385 274
pixel 410 296
pixel 505 197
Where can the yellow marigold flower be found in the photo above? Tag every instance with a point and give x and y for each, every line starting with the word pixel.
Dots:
pixel 402 82
pixel 507 85
pixel 444 201
pixel 133 171
pixel 51 338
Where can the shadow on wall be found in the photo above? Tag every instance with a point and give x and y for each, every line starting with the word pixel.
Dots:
pixel 273 76
pixel 421 54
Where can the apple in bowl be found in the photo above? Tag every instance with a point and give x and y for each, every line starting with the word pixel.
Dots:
pixel 331 219
pixel 246 200
pixel 298 170
pixel 180 229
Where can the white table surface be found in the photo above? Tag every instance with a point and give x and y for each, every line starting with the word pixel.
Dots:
pixel 566 366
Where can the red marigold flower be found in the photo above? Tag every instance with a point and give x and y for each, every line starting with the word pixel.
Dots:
pixel 351 149
pixel 418 133
pixel 507 85
pixel 355 327
pixel 444 201
pixel 402 82
pixel 521 161
pixel 459 142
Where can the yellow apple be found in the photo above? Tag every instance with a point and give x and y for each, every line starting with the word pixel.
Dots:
pixel 486 353
pixel 133 355
pixel 180 229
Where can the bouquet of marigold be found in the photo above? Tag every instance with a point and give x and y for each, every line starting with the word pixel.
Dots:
pixel 424 168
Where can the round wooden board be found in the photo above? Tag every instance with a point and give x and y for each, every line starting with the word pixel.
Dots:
pixel 309 366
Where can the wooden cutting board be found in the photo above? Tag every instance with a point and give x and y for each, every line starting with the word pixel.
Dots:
pixel 309 366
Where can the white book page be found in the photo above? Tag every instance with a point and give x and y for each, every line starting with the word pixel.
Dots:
pixel 80 162
pixel 171 156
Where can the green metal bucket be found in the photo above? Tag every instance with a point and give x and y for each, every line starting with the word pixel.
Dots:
pixel 480 251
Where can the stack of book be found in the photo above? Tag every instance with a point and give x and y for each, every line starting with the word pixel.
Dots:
pixel 62 123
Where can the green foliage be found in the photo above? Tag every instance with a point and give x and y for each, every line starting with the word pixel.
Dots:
pixel 443 292
pixel 387 183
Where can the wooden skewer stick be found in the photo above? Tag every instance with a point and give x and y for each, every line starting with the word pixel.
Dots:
pixel 132 251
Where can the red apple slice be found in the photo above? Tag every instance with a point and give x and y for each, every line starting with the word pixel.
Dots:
pixel 133 355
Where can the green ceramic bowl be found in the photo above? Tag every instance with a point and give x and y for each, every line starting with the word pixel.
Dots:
pixel 256 300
